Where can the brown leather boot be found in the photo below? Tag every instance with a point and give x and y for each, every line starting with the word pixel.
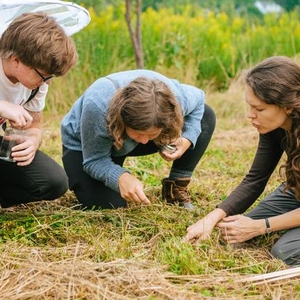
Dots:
pixel 176 191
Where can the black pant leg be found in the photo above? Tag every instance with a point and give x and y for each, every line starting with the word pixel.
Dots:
pixel 43 179
pixel 91 193
pixel 189 160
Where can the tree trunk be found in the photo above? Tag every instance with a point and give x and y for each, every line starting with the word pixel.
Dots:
pixel 135 35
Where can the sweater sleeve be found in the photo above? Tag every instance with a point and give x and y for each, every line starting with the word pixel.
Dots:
pixel 192 102
pixel 267 156
pixel 96 142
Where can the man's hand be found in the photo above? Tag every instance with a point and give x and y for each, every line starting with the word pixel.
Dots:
pixel 24 153
pixel 17 115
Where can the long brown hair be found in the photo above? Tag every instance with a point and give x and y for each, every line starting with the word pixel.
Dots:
pixel 141 105
pixel 276 80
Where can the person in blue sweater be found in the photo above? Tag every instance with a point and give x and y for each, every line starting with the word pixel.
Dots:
pixel 134 113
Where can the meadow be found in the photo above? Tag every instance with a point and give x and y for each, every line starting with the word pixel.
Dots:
pixel 52 250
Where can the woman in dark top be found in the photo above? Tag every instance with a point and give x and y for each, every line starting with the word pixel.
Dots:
pixel 273 97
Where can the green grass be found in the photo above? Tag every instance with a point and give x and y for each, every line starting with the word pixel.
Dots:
pixel 80 255
pixel 52 250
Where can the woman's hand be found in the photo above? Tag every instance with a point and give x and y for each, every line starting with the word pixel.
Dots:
pixel 239 228
pixel 203 228
pixel 132 190
pixel 181 144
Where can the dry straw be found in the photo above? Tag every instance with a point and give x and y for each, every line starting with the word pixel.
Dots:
pixel 31 276
pixel 71 273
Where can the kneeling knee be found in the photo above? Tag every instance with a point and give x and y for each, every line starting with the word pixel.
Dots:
pixel 291 256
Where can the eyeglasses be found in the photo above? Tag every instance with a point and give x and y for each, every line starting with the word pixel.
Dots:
pixel 45 79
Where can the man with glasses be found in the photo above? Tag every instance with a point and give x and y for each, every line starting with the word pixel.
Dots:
pixel 33 49
pixel 44 79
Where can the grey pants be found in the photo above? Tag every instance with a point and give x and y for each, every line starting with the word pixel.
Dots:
pixel 287 248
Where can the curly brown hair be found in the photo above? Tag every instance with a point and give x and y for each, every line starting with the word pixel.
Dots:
pixel 276 80
pixel 39 42
pixel 141 105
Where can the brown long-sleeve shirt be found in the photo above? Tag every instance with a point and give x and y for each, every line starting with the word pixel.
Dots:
pixel 270 149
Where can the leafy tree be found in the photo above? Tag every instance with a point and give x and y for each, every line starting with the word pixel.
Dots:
pixel 288 5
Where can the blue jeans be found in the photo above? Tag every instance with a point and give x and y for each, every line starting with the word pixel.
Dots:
pixel 92 193
pixel 287 248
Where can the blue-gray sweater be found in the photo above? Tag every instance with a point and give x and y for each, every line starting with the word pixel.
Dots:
pixel 84 126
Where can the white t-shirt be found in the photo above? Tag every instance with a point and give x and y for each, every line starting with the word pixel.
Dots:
pixel 18 93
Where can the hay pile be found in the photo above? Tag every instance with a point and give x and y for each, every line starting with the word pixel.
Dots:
pixel 32 274
pixel 72 273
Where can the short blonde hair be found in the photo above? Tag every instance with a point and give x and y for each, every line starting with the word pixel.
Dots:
pixel 39 42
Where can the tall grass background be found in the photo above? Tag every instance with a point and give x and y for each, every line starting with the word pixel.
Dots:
pixel 196 46
pixel 51 250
